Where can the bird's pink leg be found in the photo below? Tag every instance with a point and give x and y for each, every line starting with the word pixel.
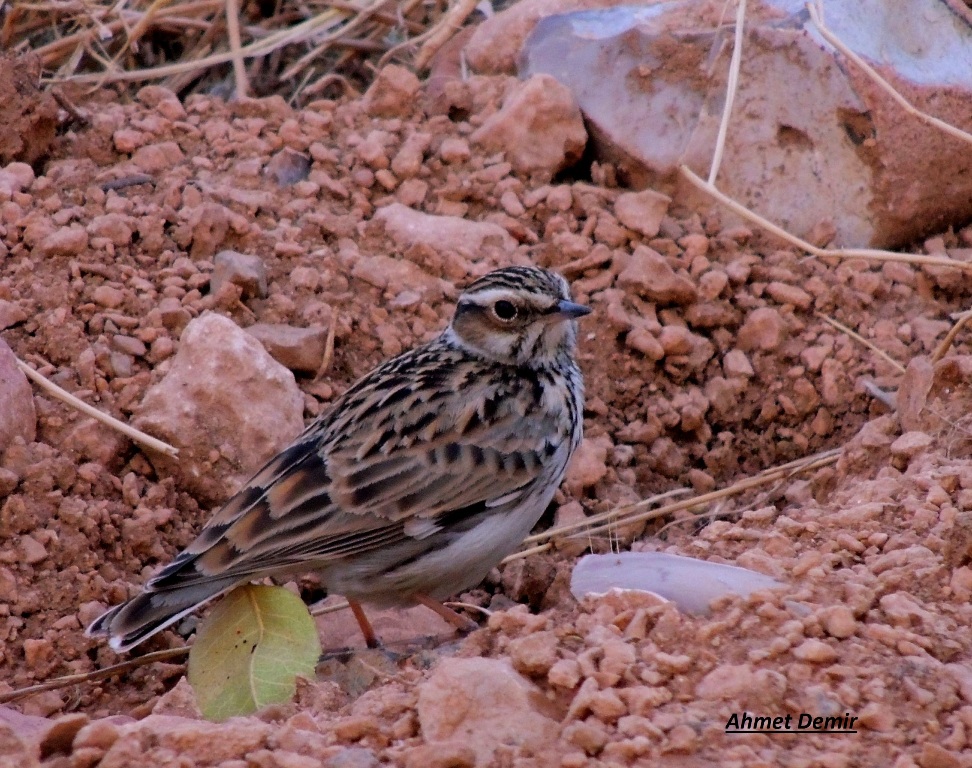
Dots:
pixel 459 622
pixel 371 640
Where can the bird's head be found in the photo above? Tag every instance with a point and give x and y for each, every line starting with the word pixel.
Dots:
pixel 518 316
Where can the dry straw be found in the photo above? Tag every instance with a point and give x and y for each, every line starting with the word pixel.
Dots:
pixel 870 254
pixel 186 45
pixel 66 397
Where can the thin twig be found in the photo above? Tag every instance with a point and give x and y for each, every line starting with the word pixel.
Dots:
pixel 325 609
pixel 731 88
pixel 611 514
pixel 98 674
pixel 469 607
pixel 527 552
pixel 236 46
pixel 694 519
pixel 822 460
pixel 128 181
pixel 816 15
pixel 860 339
pixel 869 254
pixel 444 30
pixel 136 435
pixel 328 346
pixel 293 35
pixel 890 399
pixel 143 23
pixel 946 343
pixel 363 15
pixel 611 520
pixel 632 513
pixel 68 106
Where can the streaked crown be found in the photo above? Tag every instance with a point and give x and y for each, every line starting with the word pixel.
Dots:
pixel 518 316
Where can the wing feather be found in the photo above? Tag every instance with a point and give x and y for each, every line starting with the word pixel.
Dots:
pixel 354 480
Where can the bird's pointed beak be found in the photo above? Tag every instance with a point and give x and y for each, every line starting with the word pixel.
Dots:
pixel 572 310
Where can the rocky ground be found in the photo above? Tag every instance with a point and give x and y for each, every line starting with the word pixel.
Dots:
pixel 706 361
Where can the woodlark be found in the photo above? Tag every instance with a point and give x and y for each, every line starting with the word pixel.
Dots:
pixel 415 482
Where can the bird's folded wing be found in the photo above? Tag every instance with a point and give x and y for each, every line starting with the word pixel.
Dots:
pixel 310 502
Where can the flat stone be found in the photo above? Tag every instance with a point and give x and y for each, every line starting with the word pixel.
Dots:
pixel 242 269
pixel 642 211
pixel 398 274
pixel 66 241
pixel 153 158
pixel 910 444
pixel 588 465
pixel 108 296
pixel 446 234
pixel 299 349
pixel 392 94
pixel 495 45
pixel 762 330
pixel 129 345
pixel 11 314
pixel 649 274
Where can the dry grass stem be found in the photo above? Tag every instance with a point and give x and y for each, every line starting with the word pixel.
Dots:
pixel 323 610
pixel 961 321
pixel 753 217
pixel 442 32
pixel 731 87
pixel 98 674
pixel 632 514
pixel 816 15
pixel 609 521
pixel 328 346
pixel 890 399
pixel 236 48
pixel 694 519
pixel 611 514
pixel 332 22
pixel 135 435
pixel 363 15
pixel 868 254
pixel 469 607
pixel 860 339
pixel 527 553
pixel 143 24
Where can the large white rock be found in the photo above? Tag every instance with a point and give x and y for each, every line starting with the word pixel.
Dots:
pixel 813 144
pixel 225 404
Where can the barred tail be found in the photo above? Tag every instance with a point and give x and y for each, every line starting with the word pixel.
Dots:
pixel 135 621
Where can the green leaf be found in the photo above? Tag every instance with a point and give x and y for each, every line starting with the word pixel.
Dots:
pixel 249 651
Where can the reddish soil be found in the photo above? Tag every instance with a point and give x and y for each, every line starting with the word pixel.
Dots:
pixel 749 376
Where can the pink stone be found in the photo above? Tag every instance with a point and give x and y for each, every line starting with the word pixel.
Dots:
pixel 484 704
pixel 539 127
pixel 225 403
pixel 17 416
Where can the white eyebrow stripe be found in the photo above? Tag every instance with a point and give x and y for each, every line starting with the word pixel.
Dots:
pixel 491 295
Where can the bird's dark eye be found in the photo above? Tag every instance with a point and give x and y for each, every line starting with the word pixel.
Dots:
pixel 504 310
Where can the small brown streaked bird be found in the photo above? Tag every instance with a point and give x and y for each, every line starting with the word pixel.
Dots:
pixel 415 482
